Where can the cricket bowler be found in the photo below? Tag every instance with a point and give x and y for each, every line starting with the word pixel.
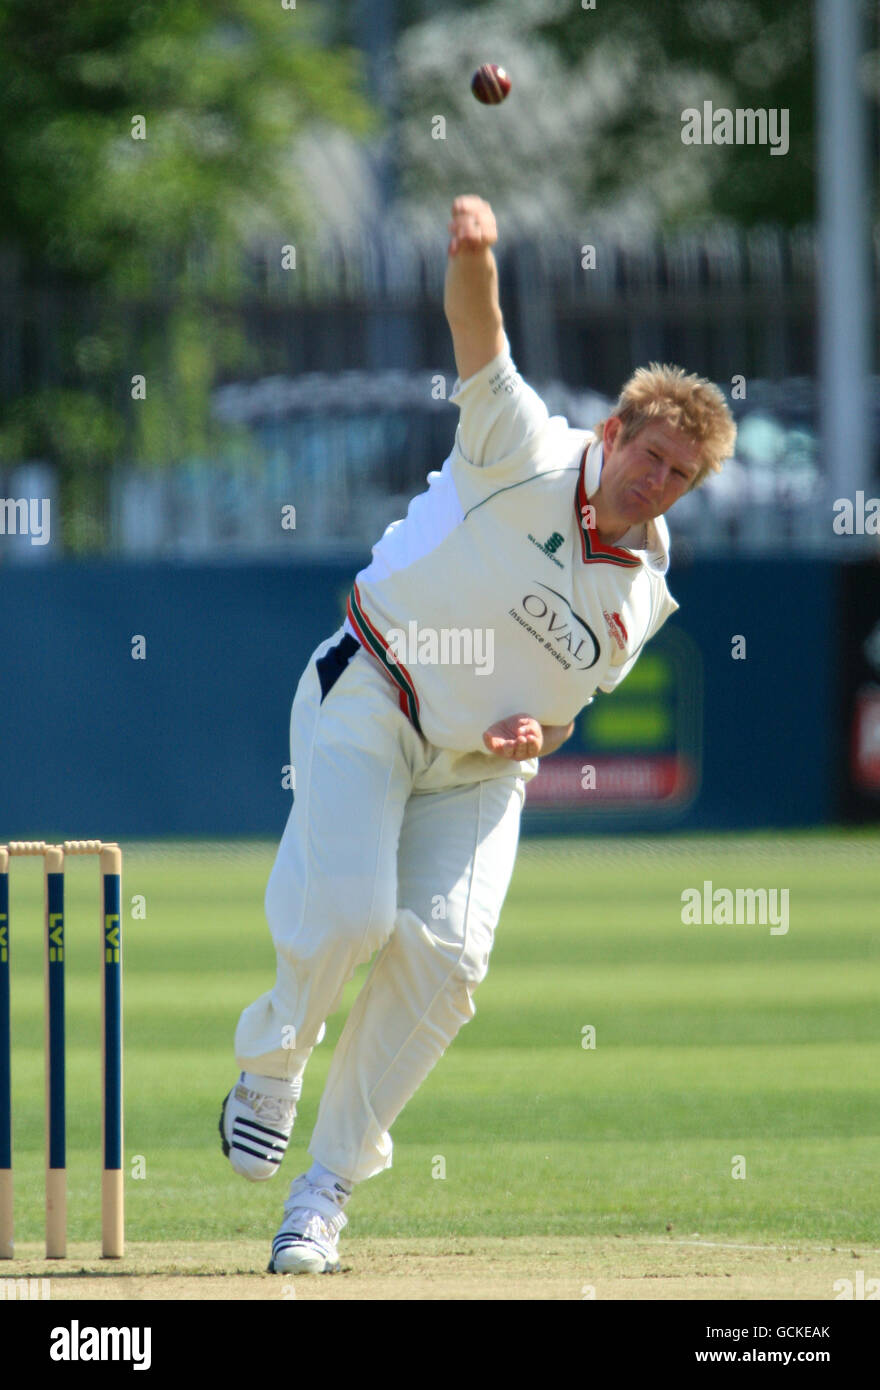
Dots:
pixel 527 578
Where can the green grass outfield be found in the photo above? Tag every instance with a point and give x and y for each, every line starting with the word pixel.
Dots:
pixel 711 1042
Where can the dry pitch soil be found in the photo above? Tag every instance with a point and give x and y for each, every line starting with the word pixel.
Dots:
pixel 611 1268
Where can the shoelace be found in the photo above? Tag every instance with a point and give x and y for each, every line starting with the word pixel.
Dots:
pixel 322 1205
pixel 321 1228
pixel 272 1108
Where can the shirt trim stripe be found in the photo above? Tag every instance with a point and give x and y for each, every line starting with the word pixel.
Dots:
pixel 592 549
pixel 373 642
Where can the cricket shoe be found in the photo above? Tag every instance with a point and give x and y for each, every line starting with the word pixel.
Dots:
pixel 308 1236
pixel 255 1124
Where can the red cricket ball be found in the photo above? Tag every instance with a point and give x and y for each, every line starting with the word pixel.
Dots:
pixel 490 84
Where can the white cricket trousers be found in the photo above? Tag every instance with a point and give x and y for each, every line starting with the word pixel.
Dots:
pixel 393 846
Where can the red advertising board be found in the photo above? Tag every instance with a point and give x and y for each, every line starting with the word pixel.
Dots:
pixel 865 748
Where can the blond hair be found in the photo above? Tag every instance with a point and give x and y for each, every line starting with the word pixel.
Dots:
pixel 684 402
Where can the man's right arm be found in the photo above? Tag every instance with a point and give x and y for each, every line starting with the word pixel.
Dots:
pixel 471 292
pixel 500 415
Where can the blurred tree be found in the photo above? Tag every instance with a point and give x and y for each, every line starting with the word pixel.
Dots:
pixel 736 53
pixel 593 126
pixel 134 133
pixel 144 147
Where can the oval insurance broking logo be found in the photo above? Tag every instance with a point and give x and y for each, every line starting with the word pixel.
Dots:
pixel 569 637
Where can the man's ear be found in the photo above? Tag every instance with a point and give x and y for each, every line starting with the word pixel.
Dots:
pixel 613 426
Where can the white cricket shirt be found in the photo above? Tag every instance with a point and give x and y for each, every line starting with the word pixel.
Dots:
pixel 491 597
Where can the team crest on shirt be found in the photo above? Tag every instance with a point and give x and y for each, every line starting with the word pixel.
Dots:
pixel 616 628
pixel 550 546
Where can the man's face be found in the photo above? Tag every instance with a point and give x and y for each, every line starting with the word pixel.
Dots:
pixel 644 477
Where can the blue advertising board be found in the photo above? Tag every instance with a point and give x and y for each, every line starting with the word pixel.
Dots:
pixel 154 700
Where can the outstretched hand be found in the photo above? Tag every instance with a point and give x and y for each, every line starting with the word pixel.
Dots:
pixel 517 737
pixel 472 226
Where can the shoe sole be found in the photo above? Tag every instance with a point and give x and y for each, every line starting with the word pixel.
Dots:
pixel 302 1260
pixel 223 1140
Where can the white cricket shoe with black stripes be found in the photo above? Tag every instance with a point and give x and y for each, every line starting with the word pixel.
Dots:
pixel 307 1239
pixel 256 1122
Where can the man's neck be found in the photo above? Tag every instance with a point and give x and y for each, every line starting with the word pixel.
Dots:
pixel 613 535
pixel 609 529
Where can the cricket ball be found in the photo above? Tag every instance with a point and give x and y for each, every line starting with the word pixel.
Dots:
pixel 490 84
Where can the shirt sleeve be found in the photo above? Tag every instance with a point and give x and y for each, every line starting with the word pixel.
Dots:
pixel 498 412
pixel 663 610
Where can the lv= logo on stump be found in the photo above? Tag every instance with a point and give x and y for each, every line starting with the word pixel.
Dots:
pixel 112 1204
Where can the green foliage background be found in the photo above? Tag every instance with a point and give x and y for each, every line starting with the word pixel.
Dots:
pixel 141 243
pixel 123 256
